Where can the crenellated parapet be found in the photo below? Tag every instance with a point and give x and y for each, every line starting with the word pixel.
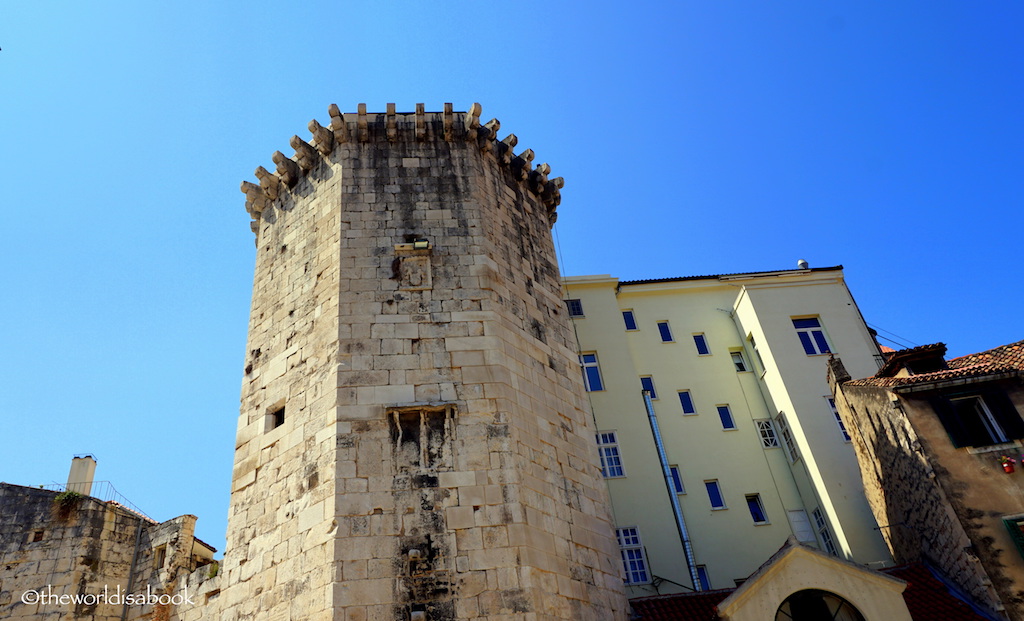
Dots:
pixel 346 129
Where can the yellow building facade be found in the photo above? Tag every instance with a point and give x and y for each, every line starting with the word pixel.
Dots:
pixel 754 453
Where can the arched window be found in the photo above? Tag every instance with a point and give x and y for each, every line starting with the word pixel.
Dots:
pixel 815 605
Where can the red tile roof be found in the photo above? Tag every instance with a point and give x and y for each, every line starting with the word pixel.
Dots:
pixel 680 606
pixel 927 598
pixel 1002 359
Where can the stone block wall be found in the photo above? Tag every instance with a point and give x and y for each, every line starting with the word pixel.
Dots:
pixel 917 499
pixel 81 548
pixel 435 457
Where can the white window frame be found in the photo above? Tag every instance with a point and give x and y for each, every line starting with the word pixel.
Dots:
pixel 677 480
pixel 654 392
pixel 756 498
pixel 812 338
pixel 698 339
pixel 728 411
pixel 632 316
pixel 635 568
pixel 664 329
pixel 985 417
pixel 611 458
pixel 721 496
pixel 594 364
pixel 766 429
pixel 693 406
pixel 738 360
pixel 823 532
pixel 788 441
pixel 831 401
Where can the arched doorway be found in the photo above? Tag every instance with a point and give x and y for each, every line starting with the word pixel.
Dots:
pixel 816 605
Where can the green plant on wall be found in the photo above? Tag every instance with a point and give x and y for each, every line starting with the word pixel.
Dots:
pixel 64 504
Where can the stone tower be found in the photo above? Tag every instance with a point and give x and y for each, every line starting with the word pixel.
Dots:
pixel 414 439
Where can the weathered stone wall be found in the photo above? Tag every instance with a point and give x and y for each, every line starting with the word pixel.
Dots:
pixel 435 455
pixel 84 547
pixel 934 502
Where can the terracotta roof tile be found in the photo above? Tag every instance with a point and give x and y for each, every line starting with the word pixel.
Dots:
pixel 1002 359
pixel 680 606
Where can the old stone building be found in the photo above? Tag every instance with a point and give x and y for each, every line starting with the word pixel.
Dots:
pixel 932 437
pixel 414 440
pixel 66 554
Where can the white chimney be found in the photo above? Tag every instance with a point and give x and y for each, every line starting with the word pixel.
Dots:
pixel 83 468
pixel 802 264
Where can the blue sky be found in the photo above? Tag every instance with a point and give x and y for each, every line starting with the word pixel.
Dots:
pixel 694 137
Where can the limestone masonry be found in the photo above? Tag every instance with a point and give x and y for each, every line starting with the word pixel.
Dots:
pixel 414 439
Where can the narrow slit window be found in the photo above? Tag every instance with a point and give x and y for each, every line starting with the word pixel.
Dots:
pixel 677 480
pixel 274 419
pixel 629 319
pixel 756 509
pixel 715 494
pixel 647 383
pixel 725 414
pixel 686 401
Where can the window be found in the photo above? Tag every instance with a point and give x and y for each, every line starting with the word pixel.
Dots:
pixel 812 337
pixel 666 333
pixel 702 344
pixel 811 604
pixel 823 532
pixel 839 419
pixel 274 419
pixel 738 361
pixel 715 494
pixel 1015 525
pixel 629 319
pixel 726 415
pixel 677 480
pixel 591 372
pixel 756 509
pixel 37 535
pixel 611 461
pixel 647 382
pixel 787 438
pixel 686 400
pixel 575 308
pixel 702 578
pixel 159 557
pixel 634 561
pixel 767 431
pixel 757 354
pixel 980 419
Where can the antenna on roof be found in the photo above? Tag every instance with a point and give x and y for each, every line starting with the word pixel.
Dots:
pixel 802 265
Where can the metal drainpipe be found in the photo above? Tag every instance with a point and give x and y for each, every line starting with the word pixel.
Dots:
pixel 131 570
pixel 684 537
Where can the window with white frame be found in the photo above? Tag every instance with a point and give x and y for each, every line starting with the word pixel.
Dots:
pixel 787 437
pixel 801 525
pixel 738 361
pixel 757 353
pixel 575 307
pixel 974 415
pixel 835 414
pixel 701 342
pixel 647 383
pixel 756 509
pixel 812 335
pixel 715 494
pixel 629 319
pixel 766 430
pixel 677 480
pixel 686 401
pixel 823 532
pixel 591 372
pixel 665 332
pixel 725 414
pixel 611 460
pixel 634 559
